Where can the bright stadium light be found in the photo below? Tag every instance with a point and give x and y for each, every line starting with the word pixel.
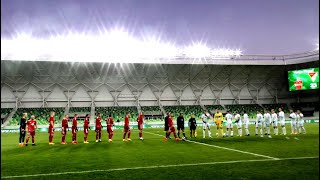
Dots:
pixel 115 46
pixel 197 51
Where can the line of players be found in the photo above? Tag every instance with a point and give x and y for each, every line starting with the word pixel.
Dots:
pixel 29 127
pixel 262 122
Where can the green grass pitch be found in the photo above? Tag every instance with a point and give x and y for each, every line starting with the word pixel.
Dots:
pixel 228 158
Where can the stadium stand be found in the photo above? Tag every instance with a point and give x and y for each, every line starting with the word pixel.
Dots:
pixel 4 113
pixel 276 107
pixel 186 110
pixel 213 107
pixel 307 108
pixel 41 115
pixel 118 113
pixel 250 108
pixel 80 110
pixel 150 109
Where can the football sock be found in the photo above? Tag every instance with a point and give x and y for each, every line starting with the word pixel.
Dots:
pixel 99 135
pixel 231 132
pixel 50 138
pixel 268 130
pixel 240 131
pixel 260 131
pixel 175 135
pixel 63 138
pixel 32 140
pixel 111 135
pixel 247 131
pixel 184 134
pixel 190 133
pixel 124 135
pixel 209 132
pixel 129 133
pixel 27 140
pixel 85 138
pixel 284 130
pixel 304 130
pixel 140 134
pixel 256 130
pixel 221 130
pixel 204 133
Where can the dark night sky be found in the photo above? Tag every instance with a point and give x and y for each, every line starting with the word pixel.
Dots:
pixel 254 26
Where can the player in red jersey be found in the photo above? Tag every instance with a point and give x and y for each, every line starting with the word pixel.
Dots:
pixel 110 127
pixel 140 124
pixel 98 128
pixel 126 128
pixel 51 128
pixel 31 126
pixel 171 128
pixel 86 128
pixel 74 129
pixel 64 127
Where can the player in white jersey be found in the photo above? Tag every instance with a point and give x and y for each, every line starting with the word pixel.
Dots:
pixel 229 124
pixel 238 122
pixel 205 119
pixel 267 121
pixel 258 123
pixel 274 120
pixel 282 121
pixel 246 123
pixel 293 118
pixel 300 122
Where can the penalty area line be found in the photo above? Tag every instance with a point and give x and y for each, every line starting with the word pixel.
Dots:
pixel 220 147
pixel 154 167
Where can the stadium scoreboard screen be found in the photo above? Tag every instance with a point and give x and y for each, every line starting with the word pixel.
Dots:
pixel 303 79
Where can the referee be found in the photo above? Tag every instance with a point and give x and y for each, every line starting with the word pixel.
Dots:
pixel 22 129
pixel 180 124
pixel 166 126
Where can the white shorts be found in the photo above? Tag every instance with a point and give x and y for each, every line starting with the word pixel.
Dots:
pixel 258 124
pixel 229 125
pixel 282 123
pixel 300 123
pixel 239 124
pixel 206 126
pixel 246 124
pixel 267 124
pixel 275 123
pixel 293 124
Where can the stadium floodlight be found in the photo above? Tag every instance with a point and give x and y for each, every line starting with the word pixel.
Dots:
pixel 197 51
pixel 115 46
pixel 155 50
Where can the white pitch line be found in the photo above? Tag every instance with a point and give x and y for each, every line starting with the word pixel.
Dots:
pixel 244 152
pixel 154 167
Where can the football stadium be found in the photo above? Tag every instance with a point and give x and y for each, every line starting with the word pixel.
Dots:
pixel 109 104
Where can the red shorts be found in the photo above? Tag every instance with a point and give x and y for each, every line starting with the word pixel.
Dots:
pixel 140 126
pixel 74 131
pixel 126 128
pixel 50 131
pixel 32 133
pixel 86 130
pixel 109 129
pixel 172 129
pixel 98 129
